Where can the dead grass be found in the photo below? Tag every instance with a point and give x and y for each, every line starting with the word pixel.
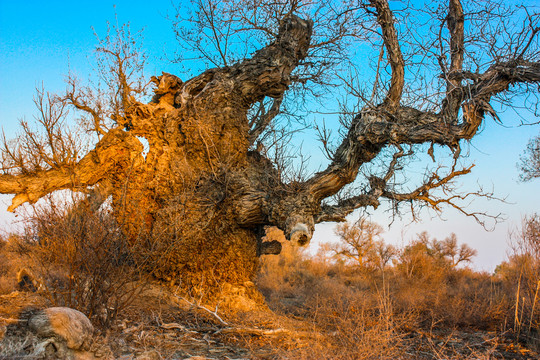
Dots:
pixel 16 347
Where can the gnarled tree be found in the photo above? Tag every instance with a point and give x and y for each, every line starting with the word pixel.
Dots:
pixel 199 194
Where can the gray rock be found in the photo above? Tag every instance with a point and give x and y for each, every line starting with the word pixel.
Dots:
pixel 65 332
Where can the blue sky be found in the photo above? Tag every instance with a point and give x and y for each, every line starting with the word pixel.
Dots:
pixel 41 41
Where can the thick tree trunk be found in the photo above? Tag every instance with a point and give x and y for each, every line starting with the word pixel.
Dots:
pixel 198 199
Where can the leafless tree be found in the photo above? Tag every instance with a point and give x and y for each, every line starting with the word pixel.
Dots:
pixel 455 254
pixel 363 245
pixel 426 257
pixel 530 161
pixel 408 80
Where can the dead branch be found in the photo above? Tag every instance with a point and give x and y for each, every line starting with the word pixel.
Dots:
pixel 395 58
pixel 214 312
pixel 116 152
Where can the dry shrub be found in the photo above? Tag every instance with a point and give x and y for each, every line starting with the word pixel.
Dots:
pixel 425 276
pixel 281 276
pixel 11 260
pixel 350 323
pixel 357 326
pixel 520 280
pixel 473 299
pixel 83 260
pixel 5 271
pixel 7 284
pixel 17 347
pixel 454 298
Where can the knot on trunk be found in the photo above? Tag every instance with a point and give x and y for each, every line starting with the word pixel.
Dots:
pixel 300 234
pixel 270 248
pixel 299 229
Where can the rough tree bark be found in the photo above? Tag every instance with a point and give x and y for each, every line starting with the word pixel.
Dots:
pixel 201 190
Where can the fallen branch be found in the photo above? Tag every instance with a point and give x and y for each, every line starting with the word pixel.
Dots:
pixel 198 306
pixel 252 331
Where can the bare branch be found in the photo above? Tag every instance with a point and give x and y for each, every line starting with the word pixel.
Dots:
pixel 425 194
pixel 454 91
pixel 79 101
pixel 530 161
pixel 346 206
pixel 395 58
pixel 52 144
pixel 116 152
pixel 263 118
